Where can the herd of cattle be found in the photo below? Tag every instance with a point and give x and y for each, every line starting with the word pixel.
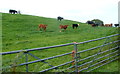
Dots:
pixel 64 27
pixel 106 25
pixel 42 26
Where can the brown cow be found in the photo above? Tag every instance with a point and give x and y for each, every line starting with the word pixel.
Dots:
pixel 108 25
pixel 42 26
pixel 63 27
pixel 93 25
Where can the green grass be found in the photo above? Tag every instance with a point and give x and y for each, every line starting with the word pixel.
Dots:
pixel 20 32
pixel 111 67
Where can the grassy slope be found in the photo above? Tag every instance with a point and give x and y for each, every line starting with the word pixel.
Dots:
pixel 20 32
pixel 20 29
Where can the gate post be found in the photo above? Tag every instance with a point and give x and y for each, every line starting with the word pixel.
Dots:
pixel 75 56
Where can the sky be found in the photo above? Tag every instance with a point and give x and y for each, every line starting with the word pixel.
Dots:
pixel 119 12
pixel 77 10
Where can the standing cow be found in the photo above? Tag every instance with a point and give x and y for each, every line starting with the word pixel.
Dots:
pixel 75 25
pixel 116 25
pixel 63 27
pixel 59 18
pixel 12 11
pixel 42 26
pixel 90 22
pixel 108 25
pixel 93 24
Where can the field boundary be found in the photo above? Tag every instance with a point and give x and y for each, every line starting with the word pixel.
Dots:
pixel 77 66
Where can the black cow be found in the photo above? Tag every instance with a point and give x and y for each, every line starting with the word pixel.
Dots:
pixel 12 11
pixel 116 25
pixel 59 18
pixel 93 24
pixel 90 22
pixel 75 25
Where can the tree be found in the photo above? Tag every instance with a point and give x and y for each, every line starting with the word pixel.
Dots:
pixel 98 22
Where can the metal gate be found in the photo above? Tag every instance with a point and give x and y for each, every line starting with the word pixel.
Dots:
pixel 79 59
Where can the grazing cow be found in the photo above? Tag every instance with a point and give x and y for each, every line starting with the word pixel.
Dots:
pixel 63 27
pixel 94 25
pixel 108 25
pixel 90 22
pixel 42 26
pixel 116 25
pixel 12 11
pixel 75 25
pixel 59 18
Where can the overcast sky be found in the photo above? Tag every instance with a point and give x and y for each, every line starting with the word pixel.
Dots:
pixel 77 10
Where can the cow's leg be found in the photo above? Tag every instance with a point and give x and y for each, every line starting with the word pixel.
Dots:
pixel 44 29
pixel 64 29
pixel 60 19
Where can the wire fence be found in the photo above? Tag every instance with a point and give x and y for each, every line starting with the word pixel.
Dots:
pixel 85 60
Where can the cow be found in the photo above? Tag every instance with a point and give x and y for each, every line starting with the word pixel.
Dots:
pixel 90 22
pixel 75 25
pixel 42 26
pixel 108 25
pixel 12 11
pixel 63 27
pixel 94 25
pixel 116 25
pixel 59 18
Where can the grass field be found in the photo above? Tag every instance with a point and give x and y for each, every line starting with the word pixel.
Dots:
pixel 20 32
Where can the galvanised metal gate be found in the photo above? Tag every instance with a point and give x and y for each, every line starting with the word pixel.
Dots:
pixel 90 60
